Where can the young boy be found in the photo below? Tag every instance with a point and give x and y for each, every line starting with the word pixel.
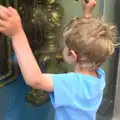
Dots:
pixel 89 42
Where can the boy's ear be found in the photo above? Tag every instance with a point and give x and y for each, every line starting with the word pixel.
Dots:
pixel 73 55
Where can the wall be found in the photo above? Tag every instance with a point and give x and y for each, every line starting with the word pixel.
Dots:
pixel 73 9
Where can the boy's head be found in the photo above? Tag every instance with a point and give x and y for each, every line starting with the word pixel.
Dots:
pixel 89 42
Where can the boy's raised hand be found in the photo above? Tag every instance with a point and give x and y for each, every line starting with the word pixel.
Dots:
pixel 10 21
pixel 88 8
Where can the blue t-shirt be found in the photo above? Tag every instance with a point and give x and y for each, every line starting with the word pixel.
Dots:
pixel 77 96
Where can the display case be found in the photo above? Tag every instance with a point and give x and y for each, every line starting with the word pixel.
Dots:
pixel 43 22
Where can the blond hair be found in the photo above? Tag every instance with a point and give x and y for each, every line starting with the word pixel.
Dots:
pixel 92 40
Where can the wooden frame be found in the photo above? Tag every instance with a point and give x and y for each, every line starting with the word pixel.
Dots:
pixel 10 69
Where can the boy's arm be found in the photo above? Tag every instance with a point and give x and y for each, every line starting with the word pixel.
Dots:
pixel 28 65
pixel 88 8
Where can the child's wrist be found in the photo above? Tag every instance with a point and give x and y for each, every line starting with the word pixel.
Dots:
pixel 18 33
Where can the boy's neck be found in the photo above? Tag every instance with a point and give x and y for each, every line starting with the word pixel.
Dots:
pixel 85 71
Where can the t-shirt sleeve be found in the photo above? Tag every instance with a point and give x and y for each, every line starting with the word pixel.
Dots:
pixel 65 87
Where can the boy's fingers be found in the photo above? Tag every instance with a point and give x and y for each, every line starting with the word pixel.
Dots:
pixel 3 16
pixel 2 23
pixel 4 13
pixel 1 30
pixel 83 1
pixel 12 10
pixel 93 3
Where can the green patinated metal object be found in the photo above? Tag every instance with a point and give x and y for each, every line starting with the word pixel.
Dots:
pixel 46 2
pixel 11 73
pixel 37 97
pixel 49 18
pixel 48 15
